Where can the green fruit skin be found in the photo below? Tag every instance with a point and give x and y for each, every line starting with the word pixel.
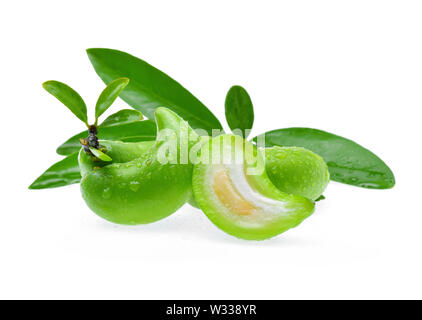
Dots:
pixel 120 152
pixel 191 200
pixel 297 170
pixel 299 207
pixel 142 190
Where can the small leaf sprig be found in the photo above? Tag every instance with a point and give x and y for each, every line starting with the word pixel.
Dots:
pixel 74 102
pixel 126 125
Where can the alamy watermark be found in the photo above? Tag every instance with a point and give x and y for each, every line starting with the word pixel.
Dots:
pixel 185 146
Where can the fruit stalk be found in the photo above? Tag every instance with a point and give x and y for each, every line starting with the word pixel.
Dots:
pixel 91 141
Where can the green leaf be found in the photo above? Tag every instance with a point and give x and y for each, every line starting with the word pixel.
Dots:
pixel 60 174
pixel 69 97
pixel 347 161
pixel 109 95
pixel 149 88
pixel 239 111
pixel 129 132
pixel 100 155
pixel 121 117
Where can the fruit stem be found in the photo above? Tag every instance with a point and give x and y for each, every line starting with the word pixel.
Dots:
pixel 91 141
pixel 92 137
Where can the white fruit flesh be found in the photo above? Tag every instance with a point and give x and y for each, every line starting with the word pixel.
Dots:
pixel 228 195
pixel 240 199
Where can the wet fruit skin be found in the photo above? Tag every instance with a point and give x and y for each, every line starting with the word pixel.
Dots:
pixel 120 152
pixel 191 200
pixel 247 206
pixel 139 190
pixel 297 170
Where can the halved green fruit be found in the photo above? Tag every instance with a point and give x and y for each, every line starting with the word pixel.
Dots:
pixel 297 170
pixel 232 188
pixel 141 187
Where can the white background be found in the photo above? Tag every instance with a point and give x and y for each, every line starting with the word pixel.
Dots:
pixel 353 68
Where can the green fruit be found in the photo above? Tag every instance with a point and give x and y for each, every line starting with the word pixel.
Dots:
pixel 297 170
pixel 232 188
pixel 120 152
pixel 137 190
pixel 202 141
pixel 192 202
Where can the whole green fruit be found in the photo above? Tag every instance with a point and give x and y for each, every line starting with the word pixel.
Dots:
pixel 296 170
pixel 137 190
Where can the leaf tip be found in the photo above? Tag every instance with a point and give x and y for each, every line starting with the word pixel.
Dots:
pixel 34 185
pixel 100 155
pixel 59 151
pixel 391 183
pixel 236 86
pixel 123 82
pixel 46 84
pixel 90 50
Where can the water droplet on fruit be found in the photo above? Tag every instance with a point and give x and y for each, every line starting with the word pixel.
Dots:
pixel 107 193
pixel 134 186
